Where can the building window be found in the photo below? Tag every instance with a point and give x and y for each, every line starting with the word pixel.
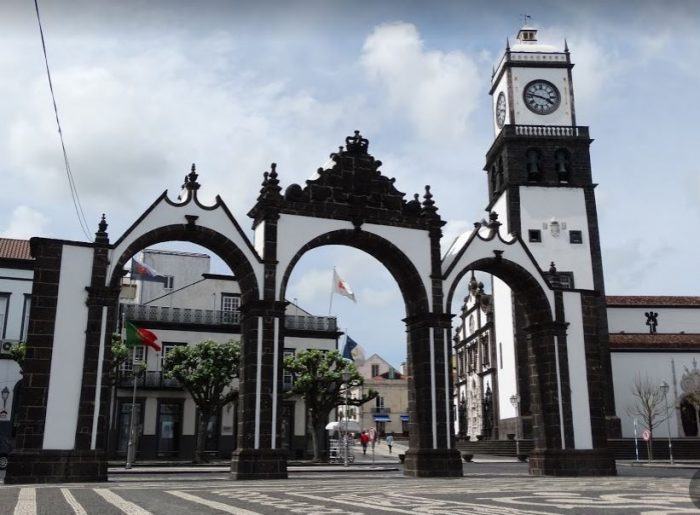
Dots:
pixel 534 168
pixel 575 237
pixel 375 370
pixel 167 347
pixel 563 164
pixel 534 235
pixel 563 280
pixel 168 282
pixel 231 308
pixel 4 303
pixel 485 354
pixel 25 317
pixel 136 355
pixel 287 377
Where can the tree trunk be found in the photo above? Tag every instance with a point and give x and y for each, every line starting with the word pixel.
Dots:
pixel 650 448
pixel 316 427
pixel 201 436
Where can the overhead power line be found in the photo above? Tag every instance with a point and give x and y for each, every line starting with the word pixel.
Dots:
pixel 69 174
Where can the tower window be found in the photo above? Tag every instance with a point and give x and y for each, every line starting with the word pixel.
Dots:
pixel 575 237
pixel 534 169
pixel 534 235
pixel 563 165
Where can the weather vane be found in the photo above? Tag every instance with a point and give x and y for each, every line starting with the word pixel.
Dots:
pixel 526 19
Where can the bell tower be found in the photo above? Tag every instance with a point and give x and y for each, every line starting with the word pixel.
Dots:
pixel 540 181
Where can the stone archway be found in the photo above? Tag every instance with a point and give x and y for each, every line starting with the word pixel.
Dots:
pixel 562 353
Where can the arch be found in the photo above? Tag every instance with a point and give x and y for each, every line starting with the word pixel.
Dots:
pixel 519 280
pixel 222 246
pixel 396 262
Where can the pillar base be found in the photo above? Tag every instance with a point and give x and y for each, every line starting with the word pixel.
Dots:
pixel 432 463
pixel 56 466
pixel 572 462
pixel 259 464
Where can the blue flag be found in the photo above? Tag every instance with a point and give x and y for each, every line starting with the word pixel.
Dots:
pixel 143 272
pixel 350 344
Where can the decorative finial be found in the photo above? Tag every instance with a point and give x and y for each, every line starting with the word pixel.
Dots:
pixel 552 268
pixel 493 224
pixel 428 203
pixel 566 46
pixel 101 235
pixel 103 224
pixel 507 45
pixel 191 179
pixel 270 186
pixel 356 144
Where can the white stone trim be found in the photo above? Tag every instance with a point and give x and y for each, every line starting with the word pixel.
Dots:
pixel 98 384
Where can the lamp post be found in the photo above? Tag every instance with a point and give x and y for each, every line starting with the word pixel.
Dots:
pixel 346 380
pixel 515 401
pixel 664 389
pixel 130 450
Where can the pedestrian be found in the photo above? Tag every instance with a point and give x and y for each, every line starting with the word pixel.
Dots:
pixel 390 440
pixel 364 440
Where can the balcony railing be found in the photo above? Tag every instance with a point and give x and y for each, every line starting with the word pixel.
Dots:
pixel 145 313
pixel 327 324
pixel 151 379
pixel 545 131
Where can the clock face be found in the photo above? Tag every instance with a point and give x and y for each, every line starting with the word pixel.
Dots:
pixel 501 110
pixel 541 97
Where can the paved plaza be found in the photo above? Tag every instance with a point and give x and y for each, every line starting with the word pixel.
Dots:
pixel 487 488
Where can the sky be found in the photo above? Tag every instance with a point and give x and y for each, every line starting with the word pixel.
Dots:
pixel 145 88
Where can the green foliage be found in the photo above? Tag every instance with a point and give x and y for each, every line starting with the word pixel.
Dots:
pixel 318 379
pixel 207 371
pixel 18 352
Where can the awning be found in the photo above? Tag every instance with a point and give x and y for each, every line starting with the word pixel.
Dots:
pixel 405 418
pixel 382 418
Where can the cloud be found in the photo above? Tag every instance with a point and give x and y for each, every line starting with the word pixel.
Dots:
pixel 25 222
pixel 437 91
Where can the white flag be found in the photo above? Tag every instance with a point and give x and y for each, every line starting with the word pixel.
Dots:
pixel 341 287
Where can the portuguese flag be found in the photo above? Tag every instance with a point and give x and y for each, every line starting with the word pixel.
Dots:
pixel 140 336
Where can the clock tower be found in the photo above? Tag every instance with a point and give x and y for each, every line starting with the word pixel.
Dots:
pixel 540 184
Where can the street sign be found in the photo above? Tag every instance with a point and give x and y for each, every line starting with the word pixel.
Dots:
pixel 646 435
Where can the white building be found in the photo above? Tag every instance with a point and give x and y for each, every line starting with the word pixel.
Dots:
pixel 191 305
pixel 16 276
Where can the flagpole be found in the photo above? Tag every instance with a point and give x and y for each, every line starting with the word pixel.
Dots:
pixel 330 305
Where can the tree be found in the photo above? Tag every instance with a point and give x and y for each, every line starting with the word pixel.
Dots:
pixel 207 371
pixel 318 377
pixel 18 352
pixel 648 407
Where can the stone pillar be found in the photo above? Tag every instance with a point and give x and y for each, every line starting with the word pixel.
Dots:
pixel 258 455
pixel 431 450
pixel 554 452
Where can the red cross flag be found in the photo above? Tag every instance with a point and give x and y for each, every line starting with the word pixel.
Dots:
pixel 341 287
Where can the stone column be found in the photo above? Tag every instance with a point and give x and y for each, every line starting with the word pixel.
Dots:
pixel 258 455
pixel 554 452
pixel 431 450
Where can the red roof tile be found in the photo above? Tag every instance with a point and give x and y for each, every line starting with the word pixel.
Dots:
pixel 661 300
pixel 654 341
pixel 14 249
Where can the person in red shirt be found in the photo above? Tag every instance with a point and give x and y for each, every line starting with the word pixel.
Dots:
pixel 364 440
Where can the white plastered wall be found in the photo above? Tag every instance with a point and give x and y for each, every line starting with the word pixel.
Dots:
pixel 296 231
pixel 539 205
pixel 670 320
pixel 68 348
pixel 505 347
pixel 578 375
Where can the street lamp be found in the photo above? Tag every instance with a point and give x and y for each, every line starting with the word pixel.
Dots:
pixel 515 401
pixel 664 389
pixel 346 379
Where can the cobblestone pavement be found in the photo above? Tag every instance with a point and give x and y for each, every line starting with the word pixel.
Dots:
pixel 357 493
